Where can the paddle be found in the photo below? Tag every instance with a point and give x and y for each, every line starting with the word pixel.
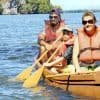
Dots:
pixel 33 80
pixel 24 74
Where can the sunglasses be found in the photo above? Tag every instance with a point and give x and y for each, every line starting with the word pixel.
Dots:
pixel 51 17
pixel 87 21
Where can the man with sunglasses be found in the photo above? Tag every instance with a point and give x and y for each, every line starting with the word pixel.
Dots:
pixel 51 32
pixel 86 51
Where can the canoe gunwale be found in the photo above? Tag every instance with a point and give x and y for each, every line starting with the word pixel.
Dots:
pixel 89 82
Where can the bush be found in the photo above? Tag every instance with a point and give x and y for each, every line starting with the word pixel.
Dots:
pixel 25 9
pixel 36 6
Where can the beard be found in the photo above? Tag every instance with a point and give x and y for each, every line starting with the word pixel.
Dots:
pixel 54 23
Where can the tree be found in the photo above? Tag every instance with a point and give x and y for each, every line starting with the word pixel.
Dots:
pixel 44 6
pixel 25 9
pixel 36 6
pixel 1 9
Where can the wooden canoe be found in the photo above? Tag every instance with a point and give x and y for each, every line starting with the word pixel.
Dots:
pixel 85 84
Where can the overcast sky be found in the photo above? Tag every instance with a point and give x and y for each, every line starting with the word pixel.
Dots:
pixel 77 4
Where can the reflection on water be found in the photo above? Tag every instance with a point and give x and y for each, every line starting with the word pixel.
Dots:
pixel 37 89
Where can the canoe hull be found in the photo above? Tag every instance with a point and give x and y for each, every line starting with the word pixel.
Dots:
pixel 87 84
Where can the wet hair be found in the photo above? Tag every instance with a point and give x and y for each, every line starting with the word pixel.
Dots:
pixel 89 13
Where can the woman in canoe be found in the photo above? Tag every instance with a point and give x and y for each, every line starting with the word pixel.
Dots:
pixel 86 51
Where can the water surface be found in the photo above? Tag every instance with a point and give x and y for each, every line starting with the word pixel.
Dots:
pixel 19 49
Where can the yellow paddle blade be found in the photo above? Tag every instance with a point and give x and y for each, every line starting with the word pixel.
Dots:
pixel 33 80
pixel 24 74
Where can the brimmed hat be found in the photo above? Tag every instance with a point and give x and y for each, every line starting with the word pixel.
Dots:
pixel 67 28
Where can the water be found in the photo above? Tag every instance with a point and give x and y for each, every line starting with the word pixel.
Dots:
pixel 19 49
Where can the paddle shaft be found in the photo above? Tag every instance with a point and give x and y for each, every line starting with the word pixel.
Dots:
pixel 53 54
pixel 33 80
pixel 50 56
pixel 24 74
pixel 37 61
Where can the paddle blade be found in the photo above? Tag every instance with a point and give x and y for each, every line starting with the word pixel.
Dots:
pixel 33 80
pixel 24 74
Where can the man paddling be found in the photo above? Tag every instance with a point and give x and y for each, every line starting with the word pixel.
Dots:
pixel 51 32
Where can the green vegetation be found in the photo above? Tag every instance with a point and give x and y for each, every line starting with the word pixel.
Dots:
pixel 25 9
pixel 36 6
pixel 28 6
pixel 1 9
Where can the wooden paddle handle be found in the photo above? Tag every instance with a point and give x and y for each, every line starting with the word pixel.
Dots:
pixel 50 56
pixel 33 80
pixel 37 61
pixel 53 54
pixel 40 57
pixel 57 40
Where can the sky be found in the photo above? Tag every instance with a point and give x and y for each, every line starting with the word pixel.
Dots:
pixel 77 4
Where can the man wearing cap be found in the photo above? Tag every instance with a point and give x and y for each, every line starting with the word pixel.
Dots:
pixel 68 40
pixel 51 32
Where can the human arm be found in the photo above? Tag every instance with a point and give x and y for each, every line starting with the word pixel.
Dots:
pixel 70 41
pixel 66 56
pixel 54 62
pixel 42 42
pixel 75 55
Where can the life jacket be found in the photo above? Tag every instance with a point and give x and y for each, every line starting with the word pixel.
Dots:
pixel 64 50
pixel 50 35
pixel 89 46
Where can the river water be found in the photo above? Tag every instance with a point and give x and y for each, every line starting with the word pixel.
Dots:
pixel 19 49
